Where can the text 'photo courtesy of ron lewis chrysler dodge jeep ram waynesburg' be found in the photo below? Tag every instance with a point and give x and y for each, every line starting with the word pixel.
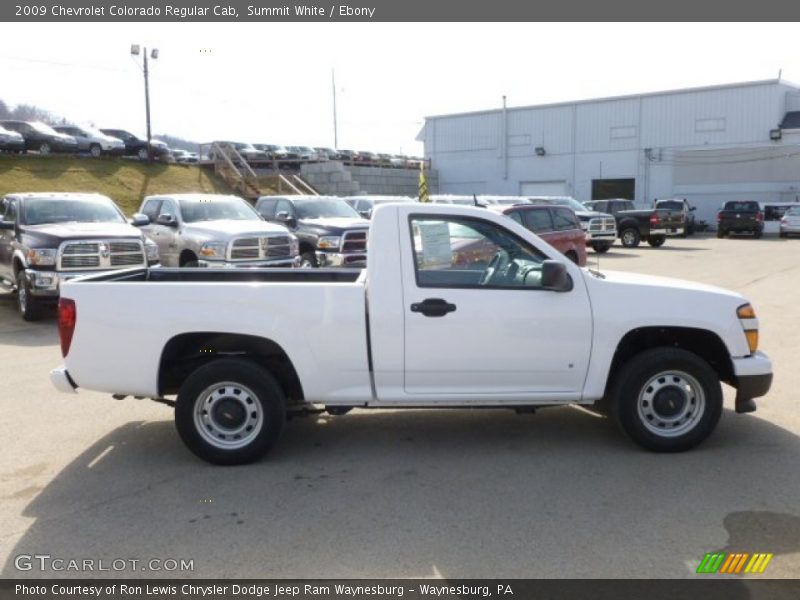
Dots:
pixel 457 306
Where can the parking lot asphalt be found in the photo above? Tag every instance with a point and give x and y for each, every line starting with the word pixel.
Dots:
pixel 460 493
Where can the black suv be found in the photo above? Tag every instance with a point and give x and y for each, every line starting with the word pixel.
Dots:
pixel 331 233
pixel 136 146
pixel 47 238
pixel 42 138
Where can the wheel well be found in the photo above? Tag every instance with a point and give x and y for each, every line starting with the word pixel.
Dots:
pixel 18 266
pixel 306 247
pixel 186 352
pixel 706 344
pixel 186 256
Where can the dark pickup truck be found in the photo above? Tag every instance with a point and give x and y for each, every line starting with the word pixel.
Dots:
pixel 740 216
pixel 46 239
pixel 652 225
pixel 330 231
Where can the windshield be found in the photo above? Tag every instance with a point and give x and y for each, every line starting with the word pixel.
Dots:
pixel 38 211
pixel 794 211
pixel 745 206
pixel 41 127
pixel 565 201
pixel 321 209
pixel 203 209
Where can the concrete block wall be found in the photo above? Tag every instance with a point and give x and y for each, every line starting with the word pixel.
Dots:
pixel 338 179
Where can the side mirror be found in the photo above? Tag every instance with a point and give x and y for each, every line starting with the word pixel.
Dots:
pixel 367 214
pixel 167 219
pixel 285 217
pixel 7 225
pixel 139 220
pixel 555 276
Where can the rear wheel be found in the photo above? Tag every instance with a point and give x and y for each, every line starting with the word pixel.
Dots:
pixel 656 241
pixel 230 411
pixel 630 237
pixel 95 150
pixel 45 148
pixel 782 234
pixel 142 153
pixel 667 399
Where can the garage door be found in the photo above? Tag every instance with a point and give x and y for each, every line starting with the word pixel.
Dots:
pixel 543 188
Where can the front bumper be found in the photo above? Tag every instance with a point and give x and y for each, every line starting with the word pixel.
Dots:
pixel 62 381
pixel 245 264
pixel 753 379
pixel 47 283
pixel 600 236
pixel 338 259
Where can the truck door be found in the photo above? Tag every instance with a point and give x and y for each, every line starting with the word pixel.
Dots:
pixel 166 236
pixel 479 326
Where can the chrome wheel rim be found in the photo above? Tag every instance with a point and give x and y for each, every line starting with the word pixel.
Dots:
pixel 628 237
pixel 22 298
pixel 228 415
pixel 95 151
pixel 671 403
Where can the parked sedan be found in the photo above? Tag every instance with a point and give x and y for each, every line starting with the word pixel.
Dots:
pixel 272 151
pixel 11 141
pixel 136 146
pixel 790 222
pixel 93 141
pixel 42 138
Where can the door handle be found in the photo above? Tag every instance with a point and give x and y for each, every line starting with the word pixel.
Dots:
pixel 433 307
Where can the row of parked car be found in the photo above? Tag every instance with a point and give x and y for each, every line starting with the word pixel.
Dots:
pixel 24 136
pixel 294 155
pixel 48 238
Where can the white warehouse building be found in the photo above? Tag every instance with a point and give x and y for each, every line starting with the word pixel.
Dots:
pixel 708 145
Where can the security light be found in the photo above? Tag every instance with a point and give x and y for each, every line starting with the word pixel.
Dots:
pixel 540 151
pixel 154 53
pixel 135 49
pixel 775 134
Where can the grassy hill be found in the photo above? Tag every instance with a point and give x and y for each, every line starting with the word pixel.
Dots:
pixel 125 181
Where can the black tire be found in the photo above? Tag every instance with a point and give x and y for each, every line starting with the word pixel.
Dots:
pixel 308 260
pixel 95 150
pixel 656 241
pixel 142 153
pixel 238 390
pixel 601 248
pixel 30 308
pixel 189 261
pixel 686 381
pixel 720 233
pixel 630 237
pixel 45 148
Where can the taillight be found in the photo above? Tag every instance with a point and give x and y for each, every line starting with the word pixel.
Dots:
pixel 67 316
pixel 719 217
pixel 759 216
pixel 654 220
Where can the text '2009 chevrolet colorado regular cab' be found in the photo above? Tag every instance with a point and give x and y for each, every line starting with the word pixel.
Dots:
pixel 418 327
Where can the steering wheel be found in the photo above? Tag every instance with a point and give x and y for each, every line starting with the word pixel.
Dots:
pixel 495 266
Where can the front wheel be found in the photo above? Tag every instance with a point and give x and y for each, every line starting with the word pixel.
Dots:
pixel 667 399
pixel 230 411
pixel 601 248
pixel 656 241
pixel 308 260
pixel 30 307
pixel 630 237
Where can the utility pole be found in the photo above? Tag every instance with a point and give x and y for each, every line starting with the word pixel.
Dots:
pixel 154 56
pixel 335 130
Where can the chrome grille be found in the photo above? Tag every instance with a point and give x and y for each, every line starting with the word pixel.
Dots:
pixel 267 247
pixel 602 224
pixel 354 241
pixel 100 254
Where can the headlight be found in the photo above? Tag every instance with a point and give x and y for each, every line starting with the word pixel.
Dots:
pixel 328 241
pixel 42 257
pixel 214 250
pixel 151 250
pixel 747 317
pixel 294 246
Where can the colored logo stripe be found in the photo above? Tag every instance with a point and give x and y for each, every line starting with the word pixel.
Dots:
pixel 732 564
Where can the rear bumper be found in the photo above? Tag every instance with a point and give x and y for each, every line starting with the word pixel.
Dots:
pixel 62 381
pixel 753 380
pixel 667 231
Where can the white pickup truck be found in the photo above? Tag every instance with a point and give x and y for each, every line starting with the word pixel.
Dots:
pixel 458 307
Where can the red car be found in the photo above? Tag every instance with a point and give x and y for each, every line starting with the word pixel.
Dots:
pixel 556 225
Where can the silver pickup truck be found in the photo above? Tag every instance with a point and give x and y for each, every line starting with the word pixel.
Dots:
pixel 210 230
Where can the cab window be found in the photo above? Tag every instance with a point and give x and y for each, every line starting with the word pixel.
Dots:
pixel 464 252
pixel 538 221
pixel 564 219
pixel 151 207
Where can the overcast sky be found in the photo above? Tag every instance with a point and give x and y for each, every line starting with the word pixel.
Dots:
pixel 271 83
